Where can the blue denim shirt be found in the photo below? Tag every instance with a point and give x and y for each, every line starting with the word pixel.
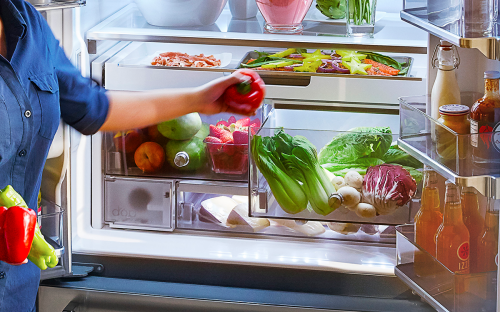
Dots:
pixel 38 86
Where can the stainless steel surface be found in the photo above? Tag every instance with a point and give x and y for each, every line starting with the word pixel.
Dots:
pixel 391 36
pixel 45 5
pixel 489 46
pixel 429 299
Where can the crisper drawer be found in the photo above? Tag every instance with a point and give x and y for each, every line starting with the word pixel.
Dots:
pixel 131 70
pixel 343 167
pixel 138 203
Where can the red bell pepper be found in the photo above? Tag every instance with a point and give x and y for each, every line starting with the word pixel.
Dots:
pixel 246 96
pixel 17 229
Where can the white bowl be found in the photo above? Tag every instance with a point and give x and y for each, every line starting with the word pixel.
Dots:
pixel 181 13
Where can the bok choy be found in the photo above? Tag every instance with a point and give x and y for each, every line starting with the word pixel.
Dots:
pixel 290 166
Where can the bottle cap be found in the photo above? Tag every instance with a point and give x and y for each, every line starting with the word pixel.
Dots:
pixel 454 110
pixel 492 74
pixel 445 43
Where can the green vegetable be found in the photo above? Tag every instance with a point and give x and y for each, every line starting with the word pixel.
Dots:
pixel 357 143
pixel 278 64
pixel 360 11
pixel 266 60
pixel 397 156
pixel 289 194
pixel 332 8
pixel 317 183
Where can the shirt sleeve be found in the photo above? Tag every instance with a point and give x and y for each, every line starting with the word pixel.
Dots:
pixel 84 106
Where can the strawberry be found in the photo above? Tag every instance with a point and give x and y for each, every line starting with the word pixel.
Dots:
pixel 240 137
pixel 244 122
pixel 224 135
pixel 231 120
pixel 222 123
pixel 214 144
pixel 256 121
pixel 229 148
pixel 254 127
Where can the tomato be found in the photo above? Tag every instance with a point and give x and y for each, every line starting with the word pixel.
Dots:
pixel 247 96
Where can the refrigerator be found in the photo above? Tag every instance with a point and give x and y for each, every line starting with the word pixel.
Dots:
pixel 215 238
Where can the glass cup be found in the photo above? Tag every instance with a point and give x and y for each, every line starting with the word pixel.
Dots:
pixel 361 17
pixel 284 16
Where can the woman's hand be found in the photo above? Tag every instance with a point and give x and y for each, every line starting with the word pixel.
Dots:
pixel 210 96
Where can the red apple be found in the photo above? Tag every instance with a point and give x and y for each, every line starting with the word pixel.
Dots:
pixel 129 140
pixel 149 157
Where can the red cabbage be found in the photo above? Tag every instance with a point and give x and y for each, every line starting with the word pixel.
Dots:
pixel 388 187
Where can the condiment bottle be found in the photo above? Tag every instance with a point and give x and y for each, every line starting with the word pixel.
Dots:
pixel 427 221
pixel 474 221
pixel 452 237
pixel 445 89
pixel 454 117
pixel 485 124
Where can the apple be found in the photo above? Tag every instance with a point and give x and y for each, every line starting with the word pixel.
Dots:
pixel 149 157
pixel 130 140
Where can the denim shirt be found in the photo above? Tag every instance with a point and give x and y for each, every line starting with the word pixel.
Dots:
pixel 38 86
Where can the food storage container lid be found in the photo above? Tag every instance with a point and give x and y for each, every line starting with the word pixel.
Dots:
pixel 492 74
pixel 454 110
pixel 445 43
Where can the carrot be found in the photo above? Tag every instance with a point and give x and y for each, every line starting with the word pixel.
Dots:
pixel 382 67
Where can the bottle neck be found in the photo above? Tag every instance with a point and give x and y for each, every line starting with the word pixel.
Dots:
pixel 452 206
pixel 491 88
pixel 446 58
pixel 470 202
pixel 430 191
pixel 491 220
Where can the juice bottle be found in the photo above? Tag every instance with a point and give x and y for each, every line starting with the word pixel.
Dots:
pixel 427 221
pixel 485 124
pixel 487 243
pixel 445 89
pixel 452 237
pixel 474 222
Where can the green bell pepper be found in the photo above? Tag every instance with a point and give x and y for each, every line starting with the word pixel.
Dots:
pixel 42 254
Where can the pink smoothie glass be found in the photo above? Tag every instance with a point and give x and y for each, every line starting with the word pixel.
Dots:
pixel 284 16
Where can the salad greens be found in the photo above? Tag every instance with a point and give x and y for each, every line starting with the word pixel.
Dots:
pixel 332 8
pixel 389 61
pixel 396 156
pixel 357 143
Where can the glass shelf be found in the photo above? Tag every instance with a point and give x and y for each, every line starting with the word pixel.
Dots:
pixel 60 5
pixel 391 34
pixel 454 32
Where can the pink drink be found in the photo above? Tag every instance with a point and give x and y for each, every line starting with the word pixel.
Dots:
pixel 284 16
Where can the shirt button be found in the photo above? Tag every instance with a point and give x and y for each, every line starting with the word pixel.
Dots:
pixel 27 114
pixel 2 274
pixel 22 153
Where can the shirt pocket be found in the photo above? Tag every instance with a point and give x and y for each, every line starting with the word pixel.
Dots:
pixel 5 132
pixel 47 89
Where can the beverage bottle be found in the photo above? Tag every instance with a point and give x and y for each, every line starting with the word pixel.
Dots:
pixel 487 243
pixel 485 124
pixel 445 89
pixel 427 221
pixel 452 237
pixel 474 221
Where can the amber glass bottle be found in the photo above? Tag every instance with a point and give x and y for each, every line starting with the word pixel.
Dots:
pixel 452 237
pixel 427 221
pixel 487 244
pixel 485 124
pixel 474 221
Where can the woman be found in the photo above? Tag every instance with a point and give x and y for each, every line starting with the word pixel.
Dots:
pixel 38 86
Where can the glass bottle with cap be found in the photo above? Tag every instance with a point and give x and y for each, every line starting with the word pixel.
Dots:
pixel 445 89
pixel 485 124
pixel 454 117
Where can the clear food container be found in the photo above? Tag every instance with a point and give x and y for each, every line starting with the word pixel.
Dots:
pixel 228 158
pixel 50 220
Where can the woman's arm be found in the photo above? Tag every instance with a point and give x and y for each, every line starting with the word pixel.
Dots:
pixel 141 109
